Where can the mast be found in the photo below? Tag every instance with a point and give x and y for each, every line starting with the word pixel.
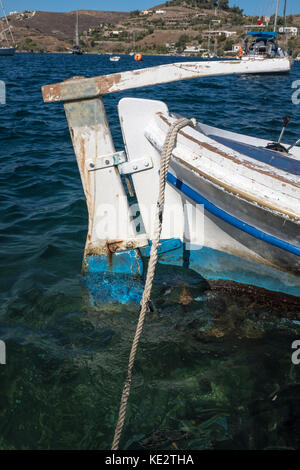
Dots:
pixel 8 26
pixel 76 30
pixel 208 44
pixel 276 16
pixel 284 14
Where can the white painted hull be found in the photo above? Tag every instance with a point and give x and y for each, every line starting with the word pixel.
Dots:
pixel 275 65
pixel 232 208
pixel 235 191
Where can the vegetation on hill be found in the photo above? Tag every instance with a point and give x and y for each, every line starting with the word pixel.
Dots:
pixel 169 28
pixel 205 4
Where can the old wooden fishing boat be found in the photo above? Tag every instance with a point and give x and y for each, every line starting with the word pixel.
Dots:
pixel 232 207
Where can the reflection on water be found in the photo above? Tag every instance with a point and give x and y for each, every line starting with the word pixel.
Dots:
pixel 213 368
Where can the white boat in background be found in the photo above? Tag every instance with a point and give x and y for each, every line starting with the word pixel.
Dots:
pixel 6 36
pixel 264 46
pixel 114 58
pixel 232 208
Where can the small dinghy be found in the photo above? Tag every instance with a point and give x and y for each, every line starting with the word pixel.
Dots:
pixel 114 58
pixel 232 202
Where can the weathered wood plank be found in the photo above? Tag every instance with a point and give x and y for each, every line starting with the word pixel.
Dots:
pixel 84 88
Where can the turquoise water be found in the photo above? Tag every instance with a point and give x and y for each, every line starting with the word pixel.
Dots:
pixel 213 369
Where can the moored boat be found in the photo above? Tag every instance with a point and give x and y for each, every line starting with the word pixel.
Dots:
pixel 6 36
pixel 232 207
pixel 265 47
pixel 7 51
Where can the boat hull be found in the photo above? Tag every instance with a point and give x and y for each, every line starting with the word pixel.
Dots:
pixel 231 210
pixel 274 65
pixel 7 51
pixel 229 252
pixel 235 237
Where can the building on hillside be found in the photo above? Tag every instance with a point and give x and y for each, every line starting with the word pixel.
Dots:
pixel 193 50
pixel 160 12
pixel 177 21
pixel 212 33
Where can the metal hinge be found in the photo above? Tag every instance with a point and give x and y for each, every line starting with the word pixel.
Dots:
pixel 106 161
pixel 135 166
pixel 119 159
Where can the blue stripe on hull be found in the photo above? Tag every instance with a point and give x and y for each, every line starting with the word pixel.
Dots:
pixel 250 230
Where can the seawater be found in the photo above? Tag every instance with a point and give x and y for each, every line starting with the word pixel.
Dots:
pixel 213 368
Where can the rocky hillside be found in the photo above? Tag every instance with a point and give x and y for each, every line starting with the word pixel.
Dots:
pixel 50 31
pixel 171 27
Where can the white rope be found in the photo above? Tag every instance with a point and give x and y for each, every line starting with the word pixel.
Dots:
pixel 145 302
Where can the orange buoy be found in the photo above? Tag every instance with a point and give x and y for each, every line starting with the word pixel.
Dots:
pixel 240 53
pixel 138 57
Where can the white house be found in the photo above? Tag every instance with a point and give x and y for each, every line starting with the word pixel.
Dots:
pixel 193 49
pixel 218 32
pixel 160 12
pixel 228 34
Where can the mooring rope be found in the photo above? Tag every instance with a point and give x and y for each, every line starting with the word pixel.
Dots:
pixel 167 149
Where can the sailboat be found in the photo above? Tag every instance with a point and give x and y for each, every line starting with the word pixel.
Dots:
pixel 10 48
pixel 264 46
pixel 76 48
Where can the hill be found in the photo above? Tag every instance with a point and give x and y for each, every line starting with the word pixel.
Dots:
pixel 170 27
pixel 52 31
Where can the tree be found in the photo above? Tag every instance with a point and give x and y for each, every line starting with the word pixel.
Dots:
pixel 134 13
pixel 181 43
pixel 223 4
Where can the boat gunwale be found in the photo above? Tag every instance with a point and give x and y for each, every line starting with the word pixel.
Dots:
pixel 229 188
